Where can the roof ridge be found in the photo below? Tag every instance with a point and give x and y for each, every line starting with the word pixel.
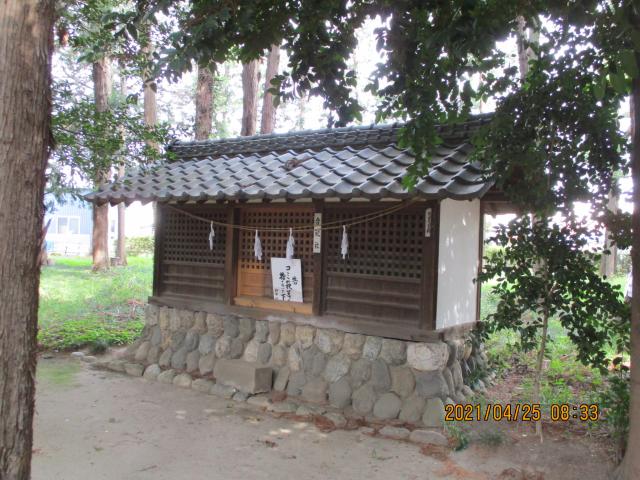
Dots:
pixel 308 139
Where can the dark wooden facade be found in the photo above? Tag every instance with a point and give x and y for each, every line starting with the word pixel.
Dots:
pixel 386 286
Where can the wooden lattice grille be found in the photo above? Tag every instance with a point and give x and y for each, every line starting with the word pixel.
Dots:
pixel 380 281
pixel 188 267
pixel 254 276
pixel 274 244
pixel 186 239
pixel 390 246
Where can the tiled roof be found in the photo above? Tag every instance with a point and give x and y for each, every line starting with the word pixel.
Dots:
pixel 345 163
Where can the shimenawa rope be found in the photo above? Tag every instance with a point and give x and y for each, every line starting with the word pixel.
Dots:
pixel 304 228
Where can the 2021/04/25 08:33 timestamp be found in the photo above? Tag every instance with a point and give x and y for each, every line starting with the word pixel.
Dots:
pixel 525 412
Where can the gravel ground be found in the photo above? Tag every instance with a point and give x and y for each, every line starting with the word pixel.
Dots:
pixel 92 424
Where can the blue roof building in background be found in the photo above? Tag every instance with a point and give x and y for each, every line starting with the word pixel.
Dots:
pixel 71 225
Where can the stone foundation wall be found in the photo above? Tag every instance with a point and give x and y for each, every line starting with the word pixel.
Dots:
pixel 364 375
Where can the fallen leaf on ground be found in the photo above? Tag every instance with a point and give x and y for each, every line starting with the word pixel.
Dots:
pixel 323 424
pixel 436 451
pixel 452 470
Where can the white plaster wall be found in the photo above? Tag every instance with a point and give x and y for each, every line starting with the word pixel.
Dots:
pixel 457 262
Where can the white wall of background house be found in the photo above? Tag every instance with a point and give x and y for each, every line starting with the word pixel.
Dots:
pixel 71 225
pixel 458 257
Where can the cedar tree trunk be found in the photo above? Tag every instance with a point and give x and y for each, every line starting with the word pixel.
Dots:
pixel 204 103
pixel 608 261
pixel 150 103
pixel 250 78
pixel 268 121
pixel 26 40
pixel 100 236
pixel 121 245
pixel 149 88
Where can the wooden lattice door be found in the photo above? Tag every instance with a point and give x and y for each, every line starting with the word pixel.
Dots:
pixel 188 266
pixel 382 280
pixel 254 276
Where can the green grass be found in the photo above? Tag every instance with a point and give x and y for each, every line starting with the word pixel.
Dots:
pixel 79 307
pixel 57 373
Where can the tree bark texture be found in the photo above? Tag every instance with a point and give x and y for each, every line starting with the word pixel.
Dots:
pixel 525 53
pixel 630 467
pixel 121 245
pixel 250 79
pixel 204 103
pixel 608 261
pixel 100 235
pixel 149 88
pixel 268 120
pixel 26 41
pixel 150 103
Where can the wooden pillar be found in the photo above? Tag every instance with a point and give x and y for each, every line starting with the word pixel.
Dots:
pixel 430 245
pixel 231 256
pixel 480 252
pixel 159 213
pixel 318 263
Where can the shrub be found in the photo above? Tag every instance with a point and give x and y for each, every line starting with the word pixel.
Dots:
pixel 139 246
pixel 615 402
pixel 98 333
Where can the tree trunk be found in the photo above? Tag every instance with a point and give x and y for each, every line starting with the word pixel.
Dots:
pixel 608 261
pixel 150 103
pixel 539 365
pixel 149 87
pixel 100 235
pixel 26 41
pixel 629 469
pixel 525 53
pixel 302 109
pixel 121 245
pixel 44 255
pixel 250 79
pixel 204 103
pixel 268 121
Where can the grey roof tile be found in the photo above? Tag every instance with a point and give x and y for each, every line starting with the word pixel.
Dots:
pixel 345 162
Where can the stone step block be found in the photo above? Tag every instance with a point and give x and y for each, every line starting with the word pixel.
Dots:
pixel 245 376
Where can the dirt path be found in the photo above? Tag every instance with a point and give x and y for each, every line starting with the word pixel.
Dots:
pixel 101 425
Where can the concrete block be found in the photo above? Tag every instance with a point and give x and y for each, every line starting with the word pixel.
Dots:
pixel 245 376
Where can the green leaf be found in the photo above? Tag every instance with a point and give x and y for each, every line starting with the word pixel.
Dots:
pixel 629 63
pixel 635 37
pixel 618 82
pixel 599 88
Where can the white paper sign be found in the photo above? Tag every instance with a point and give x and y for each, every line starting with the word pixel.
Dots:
pixel 317 232
pixel 286 275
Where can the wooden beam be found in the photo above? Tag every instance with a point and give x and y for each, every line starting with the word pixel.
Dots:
pixel 271 304
pixel 318 266
pixel 231 256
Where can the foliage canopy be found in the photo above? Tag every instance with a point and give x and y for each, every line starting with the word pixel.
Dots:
pixel 555 137
pixel 543 270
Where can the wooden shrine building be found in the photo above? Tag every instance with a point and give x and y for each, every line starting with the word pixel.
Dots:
pixel 411 259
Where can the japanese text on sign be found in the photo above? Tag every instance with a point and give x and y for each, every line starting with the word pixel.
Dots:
pixel 317 232
pixel 286 276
